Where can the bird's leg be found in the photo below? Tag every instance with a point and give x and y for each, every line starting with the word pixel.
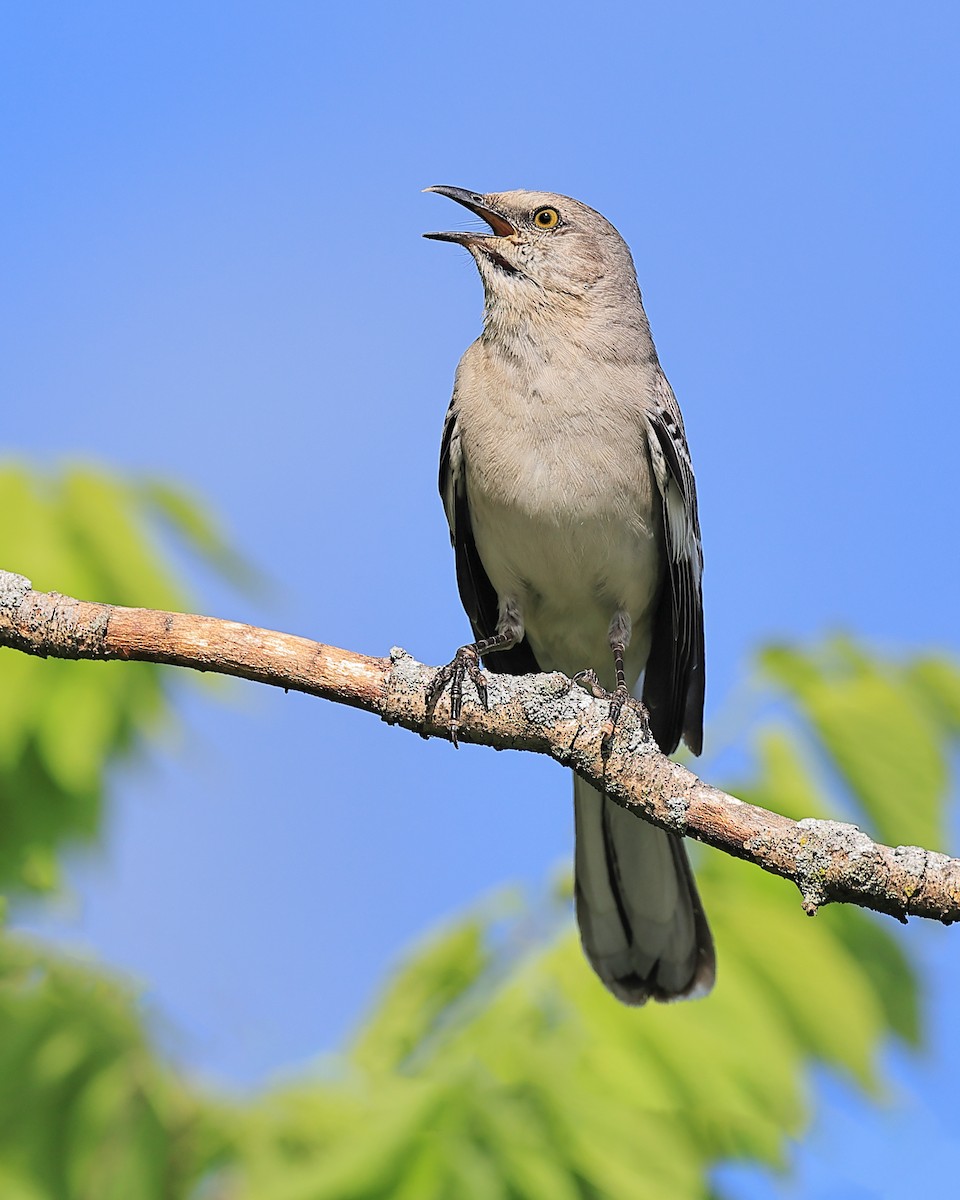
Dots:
pixel 465 662
pixel 621 696
pixel 618 698
pixel 620 630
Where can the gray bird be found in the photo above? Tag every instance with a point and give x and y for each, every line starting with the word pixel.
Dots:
pixel 569 491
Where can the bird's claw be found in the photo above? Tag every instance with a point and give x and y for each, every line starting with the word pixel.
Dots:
pixel 590 682
pixel 466 662
pixel 618 698
pixel 617 701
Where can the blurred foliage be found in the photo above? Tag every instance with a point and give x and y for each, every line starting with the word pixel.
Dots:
pixel 880 729
pixel 529 1080
pixel 62 724
pixel 85 1108
pixel 494 1066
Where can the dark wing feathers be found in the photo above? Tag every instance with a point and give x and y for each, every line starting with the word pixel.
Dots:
pixel 673 686
pixel 674 679
pixel 477 593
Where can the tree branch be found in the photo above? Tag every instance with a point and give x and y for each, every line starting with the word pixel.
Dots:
pixel 827 860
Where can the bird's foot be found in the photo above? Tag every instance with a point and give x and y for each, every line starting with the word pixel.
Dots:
pixel 590 682
pixel 617 698
pixel 466 662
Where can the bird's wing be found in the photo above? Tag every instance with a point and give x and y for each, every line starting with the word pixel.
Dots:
pixel 674 679
pixel 477 593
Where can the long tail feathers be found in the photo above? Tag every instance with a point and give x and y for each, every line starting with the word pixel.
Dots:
pixel 642 925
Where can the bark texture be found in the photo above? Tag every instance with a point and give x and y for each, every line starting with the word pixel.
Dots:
pixel 549 714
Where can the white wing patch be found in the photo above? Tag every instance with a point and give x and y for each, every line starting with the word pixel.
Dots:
pixel 683 540
pixel 660 470
pixel 674 677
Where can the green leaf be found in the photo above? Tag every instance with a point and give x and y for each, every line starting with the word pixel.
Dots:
pixel 62 724
pixel 883 961
pixel 102 519
pixel 84 1109
pixel 938 681
pixel 476 1075
pixel 418 996
pixel 885 747
pixel 552 1088
pixel 77 726
pixel 22 687
pixel 36 542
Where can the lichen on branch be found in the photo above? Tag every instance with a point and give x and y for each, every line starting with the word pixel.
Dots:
pixel 827 860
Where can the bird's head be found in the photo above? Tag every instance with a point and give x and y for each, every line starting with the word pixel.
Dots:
pixel 543 248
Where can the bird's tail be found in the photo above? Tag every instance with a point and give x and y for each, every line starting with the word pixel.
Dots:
pixel 641 921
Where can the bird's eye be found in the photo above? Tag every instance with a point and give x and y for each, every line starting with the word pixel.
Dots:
pixel 546 218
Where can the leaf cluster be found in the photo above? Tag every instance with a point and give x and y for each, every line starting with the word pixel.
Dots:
pixel 63 724
pixel 494 1066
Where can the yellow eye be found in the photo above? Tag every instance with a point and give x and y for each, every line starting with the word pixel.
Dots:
pixel 546 218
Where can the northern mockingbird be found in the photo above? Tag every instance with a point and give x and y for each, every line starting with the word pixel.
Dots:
pixel 569 492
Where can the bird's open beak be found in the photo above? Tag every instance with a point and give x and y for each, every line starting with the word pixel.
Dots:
pixel 498 223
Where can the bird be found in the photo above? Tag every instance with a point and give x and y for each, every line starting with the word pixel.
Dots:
pixel 569 491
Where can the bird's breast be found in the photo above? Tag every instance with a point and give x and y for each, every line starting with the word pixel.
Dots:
pixel 555 435
pixel 561 502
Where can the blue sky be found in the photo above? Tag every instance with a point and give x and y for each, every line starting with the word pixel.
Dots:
pixel 213 272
